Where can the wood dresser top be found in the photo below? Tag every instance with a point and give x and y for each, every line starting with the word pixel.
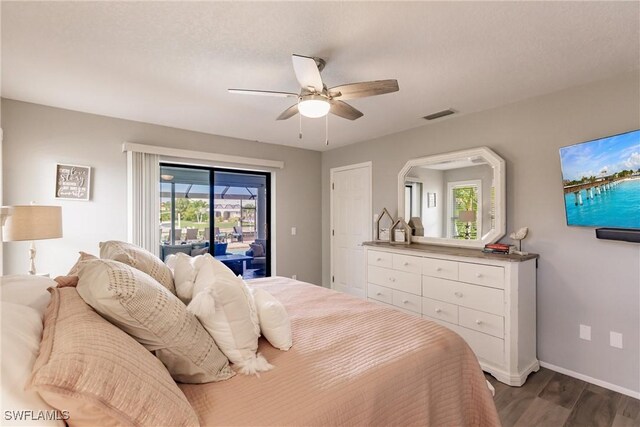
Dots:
pixel 448 250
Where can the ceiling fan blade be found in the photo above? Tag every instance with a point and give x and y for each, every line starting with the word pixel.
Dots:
pixel 363 89
pixel 289 112
pixel 307 72
pixel 263 93
pixel 344 110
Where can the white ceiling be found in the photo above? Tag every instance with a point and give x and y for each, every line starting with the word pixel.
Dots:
pixel 170 63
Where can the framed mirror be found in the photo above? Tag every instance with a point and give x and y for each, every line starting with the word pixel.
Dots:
pixel 454 199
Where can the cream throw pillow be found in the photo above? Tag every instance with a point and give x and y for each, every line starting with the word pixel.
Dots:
pixel 99 374
pixel 185 269
pixel 274 320
pixel 157 319
pixel 21 335
pixel 140 259
pixel 225 307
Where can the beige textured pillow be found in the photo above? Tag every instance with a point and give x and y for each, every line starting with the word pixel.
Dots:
pixel 83 257
pixel 140 259
pixel 157 319
pixel 99 374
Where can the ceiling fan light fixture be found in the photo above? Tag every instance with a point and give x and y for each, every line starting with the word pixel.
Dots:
pixel 314 106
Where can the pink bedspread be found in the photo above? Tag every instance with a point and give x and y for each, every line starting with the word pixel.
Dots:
pixel 352 363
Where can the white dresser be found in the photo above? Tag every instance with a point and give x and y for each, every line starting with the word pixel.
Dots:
pixel 489 300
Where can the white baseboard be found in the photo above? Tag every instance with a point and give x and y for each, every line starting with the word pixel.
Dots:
pixel 622 390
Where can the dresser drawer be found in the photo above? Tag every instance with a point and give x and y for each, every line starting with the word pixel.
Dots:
pixel 485 275
pixel 407 301
pixel 471 296
pixel 440 268
pixel 411 264
pixel 486 347
pixel 481 322
pixel 440 310
pixel 400 280
pixel 380 259
pixel 380 293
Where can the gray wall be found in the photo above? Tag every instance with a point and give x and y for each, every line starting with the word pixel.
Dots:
pixel 37 137
pixel 580 279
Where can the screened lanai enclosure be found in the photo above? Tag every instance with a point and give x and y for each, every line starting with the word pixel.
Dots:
pixel 219 211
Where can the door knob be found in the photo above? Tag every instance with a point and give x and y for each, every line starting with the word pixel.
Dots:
pixel 438 310
pixel 478 322
pixel 458 294
pixel 404 301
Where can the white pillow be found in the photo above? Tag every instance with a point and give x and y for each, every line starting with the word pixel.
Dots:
pixel 274 320
pixel 225 307
pixel 21 335
pixel 27 290
pixel 185 269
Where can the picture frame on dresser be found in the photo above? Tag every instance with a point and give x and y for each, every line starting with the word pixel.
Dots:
pixel 487 299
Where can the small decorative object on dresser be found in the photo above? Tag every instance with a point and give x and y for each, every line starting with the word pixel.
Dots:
pixel 519 237
pixel 383 226
pixel 400 232
pixel 73 182
pixel 417 228
pixel 489 300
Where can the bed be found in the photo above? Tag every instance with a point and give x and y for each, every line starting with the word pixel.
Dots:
pixel 353 362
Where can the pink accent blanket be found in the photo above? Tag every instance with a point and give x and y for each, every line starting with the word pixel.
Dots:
pixel 352 363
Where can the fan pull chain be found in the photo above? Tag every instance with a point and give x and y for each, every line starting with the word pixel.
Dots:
pixel 326 129
pixel 300 121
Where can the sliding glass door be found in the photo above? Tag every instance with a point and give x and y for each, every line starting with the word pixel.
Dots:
pixel 220 211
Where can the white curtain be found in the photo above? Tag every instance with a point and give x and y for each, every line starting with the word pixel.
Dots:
pixel 143 192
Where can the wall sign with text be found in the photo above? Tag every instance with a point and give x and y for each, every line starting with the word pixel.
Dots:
pixel 73 182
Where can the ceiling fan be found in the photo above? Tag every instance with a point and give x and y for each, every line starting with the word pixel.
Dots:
pixel 315 100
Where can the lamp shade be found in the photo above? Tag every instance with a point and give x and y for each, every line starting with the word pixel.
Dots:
pixel 467 216
pixel 32 222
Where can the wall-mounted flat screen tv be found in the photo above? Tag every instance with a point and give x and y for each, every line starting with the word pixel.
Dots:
pixel 601 181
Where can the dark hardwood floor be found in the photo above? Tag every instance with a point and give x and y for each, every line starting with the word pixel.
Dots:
pixel 550 399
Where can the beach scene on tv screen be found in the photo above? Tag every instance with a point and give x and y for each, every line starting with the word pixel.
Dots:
pixel 601 180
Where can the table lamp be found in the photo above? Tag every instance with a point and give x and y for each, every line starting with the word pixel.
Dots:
pixel 32 222
pixel 468 217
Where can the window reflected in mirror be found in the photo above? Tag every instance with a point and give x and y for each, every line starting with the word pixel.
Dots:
pixel 454 200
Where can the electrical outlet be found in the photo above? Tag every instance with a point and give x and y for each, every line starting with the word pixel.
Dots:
pixel 585 332
pixel 294 276
pixel 294 231
pixel 615 339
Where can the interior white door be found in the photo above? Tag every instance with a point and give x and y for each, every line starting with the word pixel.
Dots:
pixel 351 224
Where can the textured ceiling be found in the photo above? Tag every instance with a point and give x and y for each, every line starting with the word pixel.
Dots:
pixel 170 63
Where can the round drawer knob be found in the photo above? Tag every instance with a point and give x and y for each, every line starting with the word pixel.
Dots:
pixel 392 279
pixel 439 269
pixel 404 301
pixel 406 263
pixel 378 293
pixel 378 259
pixel 438 310
pixel 478 275
pixel 478 322
pixel 458 294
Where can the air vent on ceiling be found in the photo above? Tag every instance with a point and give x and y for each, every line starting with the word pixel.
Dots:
pixel 439 114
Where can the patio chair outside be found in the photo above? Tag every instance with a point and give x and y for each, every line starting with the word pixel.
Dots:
pixel 206 235
pixel 237 233
pixel 177 234
pixel 192 234
pixel 220 237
